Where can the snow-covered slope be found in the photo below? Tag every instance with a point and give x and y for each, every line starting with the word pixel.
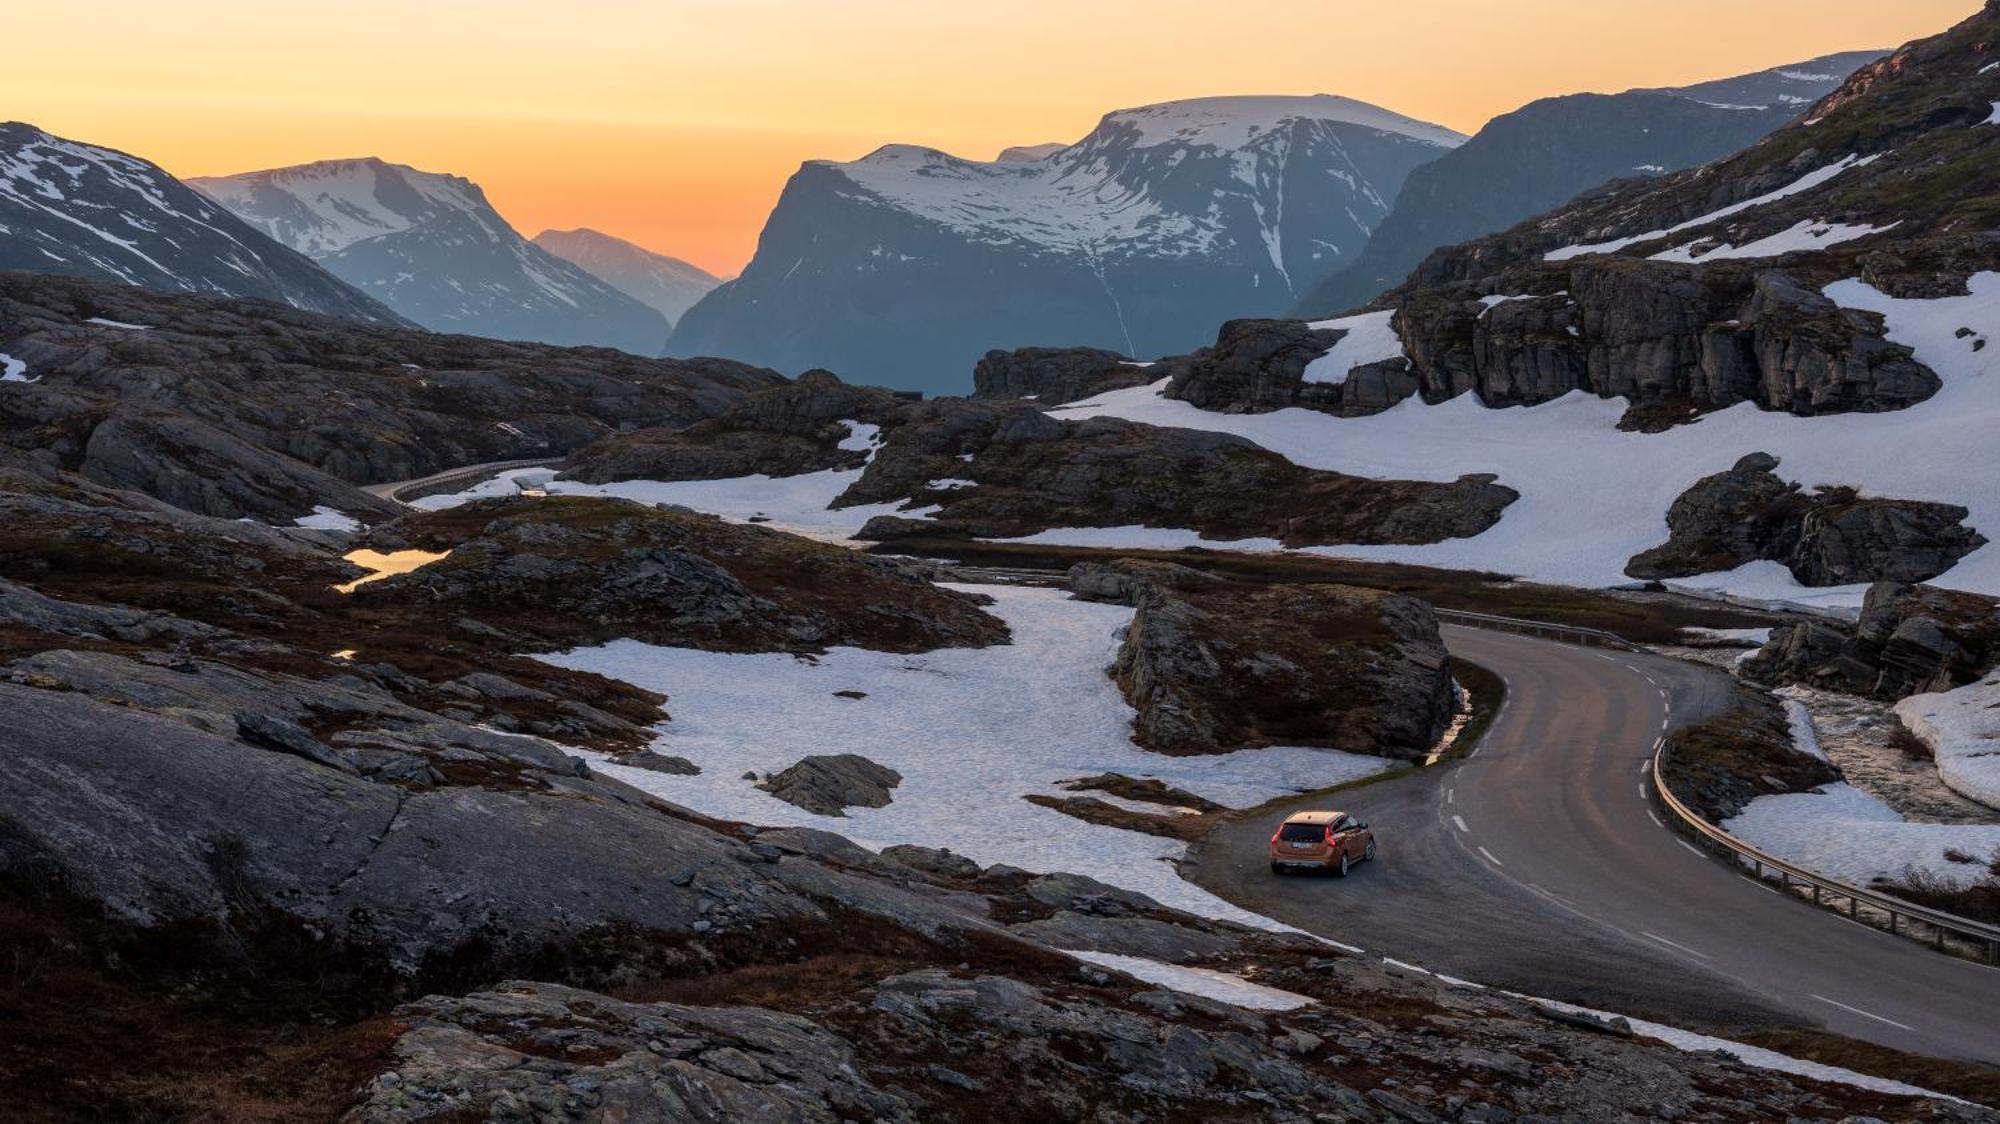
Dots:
pixel 84 211
pixel 1546 152
pixel 908 264
pixel 431 247
pixel 666 285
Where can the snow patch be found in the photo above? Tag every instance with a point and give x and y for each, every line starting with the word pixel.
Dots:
pixel 1848 835
pixel 1208 983
pixel 324 518
pixel 1962 727
pixel 103 323
pixel 12 369
pixel 971 730
pixel 1370 338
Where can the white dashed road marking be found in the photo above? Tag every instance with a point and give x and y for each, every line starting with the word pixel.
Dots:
pixel 1460 821
pixel 1654 818
pixel 1862 1013
pixel 1673 944
pixel 1490 858
pixel 1692 849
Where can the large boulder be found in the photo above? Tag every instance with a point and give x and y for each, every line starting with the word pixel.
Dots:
pixel 1829 537
pixel 1218 666
pixel 829 784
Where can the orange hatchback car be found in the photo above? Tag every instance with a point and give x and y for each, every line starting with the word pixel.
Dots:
pixel 1332 841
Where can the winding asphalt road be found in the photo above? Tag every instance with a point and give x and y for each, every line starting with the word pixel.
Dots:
pixel 1539 865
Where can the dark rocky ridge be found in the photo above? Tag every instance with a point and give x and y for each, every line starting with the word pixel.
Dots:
pixel 1543 154
pixel 1829 537
pixel 1054 375
pixel 237 409
pixel 1213 666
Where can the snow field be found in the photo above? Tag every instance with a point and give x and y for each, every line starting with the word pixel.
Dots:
pixel 971 730
pixel 1592 496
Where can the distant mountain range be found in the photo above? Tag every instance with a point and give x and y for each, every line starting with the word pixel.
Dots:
pixel 431 247
pixel 1543 154
pixel 666 285
pixel 905 266
pixel 85 211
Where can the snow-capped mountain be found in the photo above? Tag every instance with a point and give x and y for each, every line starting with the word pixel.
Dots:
pixel 905 266
pixel 1545 153
pixel 86 211
pixel 431 247
pixel 667 285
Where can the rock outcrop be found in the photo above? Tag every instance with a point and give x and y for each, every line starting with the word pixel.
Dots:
pixel 554 571
pixel 1213 666
pixel 1828 537
pixel 1910 639
pixel 1054 375
pixel 1000 468
pixel 802 426
pixel 829 784
pixel 1030 472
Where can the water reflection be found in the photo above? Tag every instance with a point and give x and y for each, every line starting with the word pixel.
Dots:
pixel 382 564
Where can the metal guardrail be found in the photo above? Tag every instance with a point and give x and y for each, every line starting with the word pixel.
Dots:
pixel 1589 637
pixel 1898 911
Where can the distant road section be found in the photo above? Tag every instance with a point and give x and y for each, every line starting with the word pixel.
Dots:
pixel 464 476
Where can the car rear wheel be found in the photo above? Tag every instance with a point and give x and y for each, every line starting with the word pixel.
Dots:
pixel 1341 870
pixel 1278 868
pixel 1369 855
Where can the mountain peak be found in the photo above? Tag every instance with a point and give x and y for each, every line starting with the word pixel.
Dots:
pixel 1233 121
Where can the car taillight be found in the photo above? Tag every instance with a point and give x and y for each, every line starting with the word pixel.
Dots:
pixel 1329 835
pixel 1275 834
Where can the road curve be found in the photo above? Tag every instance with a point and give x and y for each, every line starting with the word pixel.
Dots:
pixel 466 474
pixel 1539 865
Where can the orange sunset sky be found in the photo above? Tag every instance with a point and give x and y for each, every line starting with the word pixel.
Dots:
pixel 674 123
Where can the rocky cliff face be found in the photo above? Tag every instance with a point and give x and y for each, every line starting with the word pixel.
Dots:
pixel 906 266
pixel 1910 639
pixel 79 210
pixel 1213 665
pixel 431 247
pixel 235 409
pixel 1547 152
pixel 1830 537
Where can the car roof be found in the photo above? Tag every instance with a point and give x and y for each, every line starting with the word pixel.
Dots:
pixel 1313 817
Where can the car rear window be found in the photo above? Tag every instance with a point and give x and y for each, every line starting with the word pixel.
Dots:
pixel 1301 832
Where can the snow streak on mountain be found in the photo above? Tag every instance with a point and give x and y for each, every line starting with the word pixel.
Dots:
pixel 906 265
